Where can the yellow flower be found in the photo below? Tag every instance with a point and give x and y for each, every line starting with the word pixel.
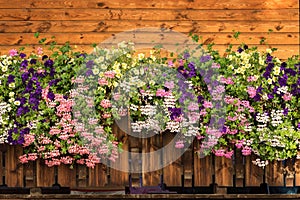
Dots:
pixel 115 83
pixel 124 65
pixel 101 74
pixel 95 71
pixel 261 61
pixel 11 94
pixel 17 103
pixel 152 82
pixel 116 65
pixel 270 81
pixel 248 65
pixel 12 85
pixel 277 70
pixel 153 58
pixel 152 51
pixel 269 50
pixel 230 67
pixel 274 79
pixel 128 55
pixel 4 68
pixel 141 56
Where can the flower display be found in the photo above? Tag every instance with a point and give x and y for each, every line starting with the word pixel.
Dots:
pixel 61 107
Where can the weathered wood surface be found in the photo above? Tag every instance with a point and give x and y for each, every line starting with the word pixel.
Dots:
pixel 86 22
pixel 180 4
pixel 152 196
pixel 182 171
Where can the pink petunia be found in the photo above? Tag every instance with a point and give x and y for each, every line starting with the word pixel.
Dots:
pixel 13 52
pixel 251 91
pixel 287 96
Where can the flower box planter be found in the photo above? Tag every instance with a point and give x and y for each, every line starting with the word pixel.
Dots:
pixel 14 190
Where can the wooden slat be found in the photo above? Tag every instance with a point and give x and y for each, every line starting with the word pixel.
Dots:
pixel 203 171
pixel 149 14
pixel 188 171
pixel 290 173
pixel 81 176
pixel 254 174
pixel 66 176
pixel 45 174
pixel 283 52
pixel 239 169
pixel 97 176
pixel 115 26
pixel 175 167
pixel 150 177
pixel 30 174
pixel 14 169
pixel 274 174
pixel 224 171
pixel 297 168
pixel 90 38
pixel 179 4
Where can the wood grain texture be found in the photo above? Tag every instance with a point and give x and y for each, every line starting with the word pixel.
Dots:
pixel 66 176
pixel 254 174
pixel 148 14
pixel 156 37
pixel 45 174
pixel 283 51
pixel 13 167
pixel 274 174
pixel 115 26
pixel 180 4
pixel 224 171
pixel 86 22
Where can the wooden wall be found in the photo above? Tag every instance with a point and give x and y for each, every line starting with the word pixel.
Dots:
pixel 92 21
pixel 188 170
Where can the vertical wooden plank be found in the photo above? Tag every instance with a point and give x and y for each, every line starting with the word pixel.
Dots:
pixel 81 176
pixel 203 171
pixel 187 167
pixel 290 172
pixel 254 174
pixel 172 172
pixel 30 174
pixel 239 168
pixel 14 169
pixel 66 176
pixel 150 177
pixel 223 171
pixel 97 176
pixel 2 167
pixel 119 169
pixel 297 169
pixel 45 174
pixel 274 173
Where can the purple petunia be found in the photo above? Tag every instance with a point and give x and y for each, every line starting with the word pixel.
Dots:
pixel 52 72
pixel 285 111
pixel 269 58
pixel 51 96
pixel 270 96
pixel 33 61
pixel 175 113
pixel 22 55
pixel 186 55
pixel 89 64
pixel 48 63
pixel 10 79
pixel 204 59
pixel 282 81
pixel 24 63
